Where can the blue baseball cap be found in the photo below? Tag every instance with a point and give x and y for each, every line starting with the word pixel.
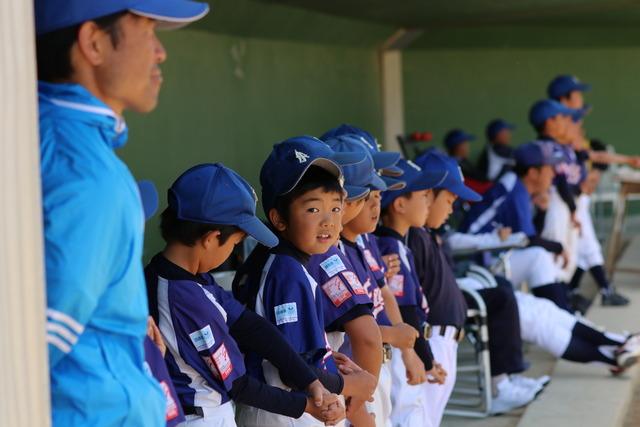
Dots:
pixel 149 198
pixel 54 15
pixel 361 177
pixel 536 154
pixel 496 126
pixel 384 160
pixel 581 113
pixel 393 183
pixel 416 179
pixel 456 137
pixel 564 85
pixel 546 109
pixel 289 161
pixel 453 181
pixel 214 194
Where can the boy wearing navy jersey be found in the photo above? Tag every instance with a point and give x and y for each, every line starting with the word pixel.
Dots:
pixel 302 198
pixel 448 308
pixel 211 209
pixel 401 210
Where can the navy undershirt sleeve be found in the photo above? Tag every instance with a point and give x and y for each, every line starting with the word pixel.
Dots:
pixel 565 192
pixel 255 334
pixel 252 392
pixel 421 347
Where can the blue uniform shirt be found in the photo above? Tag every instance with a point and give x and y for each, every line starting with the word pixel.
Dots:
pixel 194 315
pixel 360 256
pixel 158 368
pixel 506 204
pixel 93 235
pixel 276 285
pixel 344 296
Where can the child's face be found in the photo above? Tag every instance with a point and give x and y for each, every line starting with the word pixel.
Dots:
pixel 417 207
pixel 315 221
pixel 213 253
pixel 367 220
pixel 352 209
pixel 441 209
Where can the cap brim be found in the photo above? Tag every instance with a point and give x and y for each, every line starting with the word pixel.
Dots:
pixel 345 158
pixel 459 189
pixel 149 198
pixel 427 180
pixel 583 87
pixel 385 159
pixel 393 184
pixel 393 171
pixel 355 192
pixel 171 14
pixel 256 229
pixel 377 183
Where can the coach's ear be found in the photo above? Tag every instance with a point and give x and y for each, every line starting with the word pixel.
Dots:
pixel 276 219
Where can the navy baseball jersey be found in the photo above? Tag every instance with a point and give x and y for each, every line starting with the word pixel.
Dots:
pixel 276 285
pixel 506 204
pixel 154 362
pixel 405 284
pixel 194 315
pixel 448 306
pixel 343 296
pixel 361 257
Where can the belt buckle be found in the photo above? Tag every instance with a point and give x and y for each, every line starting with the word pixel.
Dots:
pixel 386 352
pixel 427 331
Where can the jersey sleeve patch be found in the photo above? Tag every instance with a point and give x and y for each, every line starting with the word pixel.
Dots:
pixel 337 291
pixel 354 282
pixel 286 313
pixel 396 284
pixel 333 265
pixel 203 338
pixel 373 264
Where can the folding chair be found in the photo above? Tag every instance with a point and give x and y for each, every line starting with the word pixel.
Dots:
pixel 471 395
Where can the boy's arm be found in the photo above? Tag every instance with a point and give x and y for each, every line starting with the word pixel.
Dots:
pixel 366 343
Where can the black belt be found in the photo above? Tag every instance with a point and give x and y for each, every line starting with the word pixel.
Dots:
pixel 386 352
pixel 427 331
pixel 193 410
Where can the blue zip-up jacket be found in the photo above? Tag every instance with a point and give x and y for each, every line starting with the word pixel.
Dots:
pixel 96 298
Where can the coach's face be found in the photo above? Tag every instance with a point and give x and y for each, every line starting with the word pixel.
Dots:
pixel 130 76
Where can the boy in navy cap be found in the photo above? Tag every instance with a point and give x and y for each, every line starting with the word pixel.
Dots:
pixel 302 196
pixel 211 209
pixel 95 60
pixel 401 210
pixel 568 90
pixel 448 308
pixel 346 304
pixel 496 157
pixel 458 145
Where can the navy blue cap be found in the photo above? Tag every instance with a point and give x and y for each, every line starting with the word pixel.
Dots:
pixel 546 109
pixel 53 15
pixel 361 177
pixel 536 154
pixel 149 198
pixel 434 160
pixel 214 194
pixel 496 126
pixel 382 159
pixel 456 137
pixel 289 161
pixel 564 85
pixel 416 179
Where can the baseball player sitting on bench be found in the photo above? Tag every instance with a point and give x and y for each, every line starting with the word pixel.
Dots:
pixel 211 209
pixel 448 310
pixel 508 204
pixel 302 196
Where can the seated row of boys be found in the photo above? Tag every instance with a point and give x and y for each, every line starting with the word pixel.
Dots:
pixel 319 274
pixel 563 215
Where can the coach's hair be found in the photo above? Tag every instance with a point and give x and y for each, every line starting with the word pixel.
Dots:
pixel 175 230
pixel 315 177
pixel 53 50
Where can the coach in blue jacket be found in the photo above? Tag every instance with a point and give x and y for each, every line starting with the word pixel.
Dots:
pixel 95 60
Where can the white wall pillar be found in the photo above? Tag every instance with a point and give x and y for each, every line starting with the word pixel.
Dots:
pixel 24 382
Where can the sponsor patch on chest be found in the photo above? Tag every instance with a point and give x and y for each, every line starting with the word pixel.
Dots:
pixel 337 291
pixel 332 265
pixel 203 338
pixel 354 282
pixel 286 313
pixel 396 284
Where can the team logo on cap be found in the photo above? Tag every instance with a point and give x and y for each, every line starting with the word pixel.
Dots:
pixel 413 165
pixel 364 140
pixel 461 174
pixel 300 156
